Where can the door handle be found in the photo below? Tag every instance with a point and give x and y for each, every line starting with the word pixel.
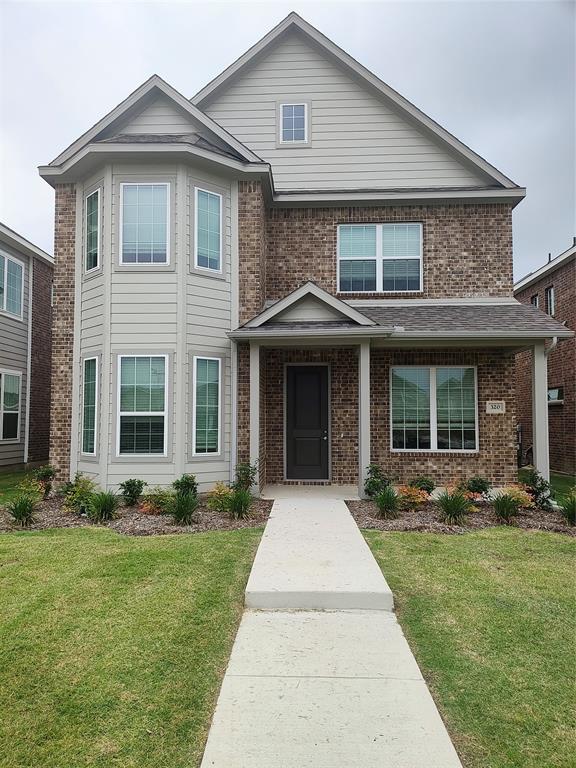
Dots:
pixel 324 438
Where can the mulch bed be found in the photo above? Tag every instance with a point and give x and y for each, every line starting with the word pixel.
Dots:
pixel 426 519
pixel 133 523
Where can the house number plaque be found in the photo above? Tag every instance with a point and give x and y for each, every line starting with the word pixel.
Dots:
pixel 495 406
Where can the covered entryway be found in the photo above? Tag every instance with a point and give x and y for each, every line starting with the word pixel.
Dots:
pixel 307 426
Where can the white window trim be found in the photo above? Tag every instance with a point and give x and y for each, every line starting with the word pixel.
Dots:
pixel 283 104
pixel 535 303
pixel 550 300
pixel 219 361
pixel 3 309
pixel 18 439
pixel 380 258
pixel 92 269
pixel 96 395
pixel 143 264
pixel 120 413
pixel 208 270
pixel 433 412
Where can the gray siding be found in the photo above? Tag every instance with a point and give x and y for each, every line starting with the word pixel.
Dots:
pixel 162 116
pixel 356 139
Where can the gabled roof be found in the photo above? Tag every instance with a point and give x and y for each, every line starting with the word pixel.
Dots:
pixel 295 22
pixel 19 243
pixel 553 264
pixel 344 311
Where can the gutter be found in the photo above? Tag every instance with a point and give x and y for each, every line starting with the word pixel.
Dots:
pixel 397 332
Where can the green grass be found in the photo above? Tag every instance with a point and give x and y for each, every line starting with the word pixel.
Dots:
pixel 490 617
pixel 8 484
pixel 112 647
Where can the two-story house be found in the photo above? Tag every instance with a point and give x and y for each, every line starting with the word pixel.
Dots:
pixel 296 267
pixel 25 350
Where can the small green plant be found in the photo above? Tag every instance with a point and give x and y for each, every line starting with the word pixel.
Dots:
pixel 478 485
pixel 157 501
pixel 506 506
pixel 568 507
pixel 424 483
pixel 388 503
pixel 454 506
pixel 21 509
pixel 45 475
pixel 245 476
pixel 375 481
pixel 102 506
pixel 132 490
pixel 183 508
pixel 219 498
pixel 78 493
pixel 186 484
pixel 538 488
pixel 32 488
pixel 239 503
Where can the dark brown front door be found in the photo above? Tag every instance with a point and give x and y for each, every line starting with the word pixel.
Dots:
pixel 307 422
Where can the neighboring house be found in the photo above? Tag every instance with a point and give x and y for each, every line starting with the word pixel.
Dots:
pixel 552 288
pixel 25 350
pixel 297 267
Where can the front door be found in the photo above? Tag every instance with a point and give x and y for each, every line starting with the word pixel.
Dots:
pixel 307 422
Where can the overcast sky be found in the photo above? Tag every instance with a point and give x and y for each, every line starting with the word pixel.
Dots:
pixel 498 75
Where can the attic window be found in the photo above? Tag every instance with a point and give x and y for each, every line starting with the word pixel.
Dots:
pixel 293 123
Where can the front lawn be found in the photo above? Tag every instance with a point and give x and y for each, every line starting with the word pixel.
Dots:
pixel 491 618
pixel 112 648
pixel 9 484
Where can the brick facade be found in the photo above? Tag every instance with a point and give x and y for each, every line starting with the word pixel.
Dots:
pixel 561 372
pixel 63 329
pixel 252 249
pixel 39 429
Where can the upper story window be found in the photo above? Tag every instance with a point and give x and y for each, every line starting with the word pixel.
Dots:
pixel 208 239
pixel 9 405
pixel 535 301
pixel 293 123
pixel 11 285
pixel 145 231
pixel 379 258
pixel 92 230
pixel 549 300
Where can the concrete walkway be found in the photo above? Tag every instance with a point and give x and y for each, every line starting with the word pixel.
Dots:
pixel 322 688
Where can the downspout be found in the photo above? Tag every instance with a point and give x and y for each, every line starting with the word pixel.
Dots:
pixel 29 360
pixel 552 346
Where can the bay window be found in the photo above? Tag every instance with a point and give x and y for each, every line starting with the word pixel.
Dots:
pixel 142 395
pixel 89 405
pixel 92 231
pixel 145 211
pixel 208 239
pixel 206 417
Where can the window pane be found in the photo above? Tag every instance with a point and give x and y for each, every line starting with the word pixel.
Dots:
pixel 89 407
pixel 13 287
pixel 401 275
pixel 357 240
pixel 11 392
pixel 141 434
pixel 293 122
pixel 411 408
pixel 92 234
pixel 142 384
pixel 456 408
pixel 358 275
pixel 401 240
pixel 2 276
pixel 10 406
pixel 207 416
pixel 145 224
pixel 208 230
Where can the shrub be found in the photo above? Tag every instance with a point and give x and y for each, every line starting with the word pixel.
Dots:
pixel 568 507
pixel 424 483
pixel 411 498
pixel 538 488
pixel 21 509
pixel 521 495
pixel 245 476
pixel 219 498
pixel 183 508
pixel 454 506
pixel 239 503
pixel 44 475
pixel 186 484
pixel 32 488
pixel 478 485
pixel 132 491
pixel 157 501
pixel 506 506
pixel 388 503
pixel 78 493
pixel 375 481
pixel 102 506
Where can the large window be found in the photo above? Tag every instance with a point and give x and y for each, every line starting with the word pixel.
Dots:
pixel 89 405
pixel 142 405
pixel 208 240
pixel 379 258
pixel 206 405
pixel 92 230
pixel 10 405
pixel 293 123
pixel 434 409
pixel 11 285
pixel 145 217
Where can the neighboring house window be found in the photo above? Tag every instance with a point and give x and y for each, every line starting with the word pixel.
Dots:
pixel 294 123
pixel 433 409
pixel 142 405
pixel 206 405
pixel 549 300
pixel 534 301
pixel 11 280
pixel 383 258
pixel 92 230
pixel 89 405
pixel 556 394
pixel 9 405
pixel 145 230
pixel 208 240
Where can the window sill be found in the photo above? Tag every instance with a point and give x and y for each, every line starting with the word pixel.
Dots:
pixel 555 402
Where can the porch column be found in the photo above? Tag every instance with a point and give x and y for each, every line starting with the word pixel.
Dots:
pixel 540 410
pixel 255 407
pixel 363 414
